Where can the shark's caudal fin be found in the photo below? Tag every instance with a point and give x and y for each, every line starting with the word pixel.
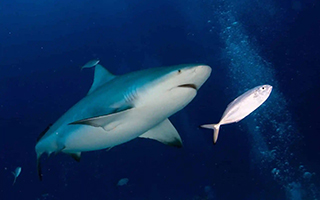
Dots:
pixel 75 156
pixel 101 76
pixel 39 154
pixel 215 128
pixel 39 167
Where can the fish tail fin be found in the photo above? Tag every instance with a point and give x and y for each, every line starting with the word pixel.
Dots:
pixel 14 180
pixel 215 128
pixel 39 166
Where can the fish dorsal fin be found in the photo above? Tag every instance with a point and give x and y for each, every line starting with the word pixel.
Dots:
pixel 101 76
pixel 164 133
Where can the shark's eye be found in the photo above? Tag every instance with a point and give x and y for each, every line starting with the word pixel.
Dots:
pixel 179 71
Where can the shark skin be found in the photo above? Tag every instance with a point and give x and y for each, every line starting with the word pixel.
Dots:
pixel 120 108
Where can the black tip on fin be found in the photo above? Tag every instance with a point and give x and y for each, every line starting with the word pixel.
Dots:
pixel 76 156
pixel 176 143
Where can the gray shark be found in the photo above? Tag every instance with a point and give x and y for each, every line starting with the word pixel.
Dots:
pixel 120 108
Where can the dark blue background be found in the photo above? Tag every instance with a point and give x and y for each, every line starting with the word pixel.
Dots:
pixel 43 44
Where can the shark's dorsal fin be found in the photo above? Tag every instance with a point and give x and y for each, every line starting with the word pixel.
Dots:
pixel 101 76
pixel 164 133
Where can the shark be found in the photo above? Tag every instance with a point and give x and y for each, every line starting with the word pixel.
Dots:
pixel 120 108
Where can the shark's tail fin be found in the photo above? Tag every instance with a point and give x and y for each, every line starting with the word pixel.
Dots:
pixel 215 128
pixel 39 167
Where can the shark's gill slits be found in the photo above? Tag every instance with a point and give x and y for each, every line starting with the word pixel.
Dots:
pixel 189 86
pixel 131 95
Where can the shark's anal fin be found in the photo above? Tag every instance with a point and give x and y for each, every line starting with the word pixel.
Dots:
pixel 101 76
pixel 76 156
pixel 164 133
pixel 107 122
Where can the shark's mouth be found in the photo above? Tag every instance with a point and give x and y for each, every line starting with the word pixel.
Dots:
pixel 193 86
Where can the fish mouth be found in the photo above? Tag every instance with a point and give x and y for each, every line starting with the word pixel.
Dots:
pixel 193 86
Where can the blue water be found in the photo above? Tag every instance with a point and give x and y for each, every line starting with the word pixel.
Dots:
pixel 273 154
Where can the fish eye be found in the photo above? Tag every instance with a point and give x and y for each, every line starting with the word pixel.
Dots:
pixel 179 71
pixel 263 87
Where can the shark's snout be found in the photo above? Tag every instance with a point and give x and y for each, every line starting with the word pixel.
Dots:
pixel 202 73
pixel 202 69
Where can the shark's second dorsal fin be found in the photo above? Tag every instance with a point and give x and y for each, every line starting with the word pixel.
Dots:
pixel 101 76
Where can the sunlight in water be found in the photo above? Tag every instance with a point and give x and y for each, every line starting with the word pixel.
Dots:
pixel 272 129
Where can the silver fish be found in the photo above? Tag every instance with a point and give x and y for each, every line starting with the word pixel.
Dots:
pixel 241 107
pixel 16 173
pixel 90 64
pixel 123 181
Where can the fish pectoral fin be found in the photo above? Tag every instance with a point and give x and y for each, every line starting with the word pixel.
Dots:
pixel 76 156
pixel 164 133
pixel 107 122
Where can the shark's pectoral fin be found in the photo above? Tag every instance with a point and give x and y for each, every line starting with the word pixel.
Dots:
pixel 164 133
pixel 107 122
pixel 101 76
pixel 75 156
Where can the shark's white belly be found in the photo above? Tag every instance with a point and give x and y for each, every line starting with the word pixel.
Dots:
pixel 130 126
pixel 89 138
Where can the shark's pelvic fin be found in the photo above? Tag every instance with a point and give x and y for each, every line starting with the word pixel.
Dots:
pixel 76 156
pixel 107 122
pixel 101 76
pixel 164 133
